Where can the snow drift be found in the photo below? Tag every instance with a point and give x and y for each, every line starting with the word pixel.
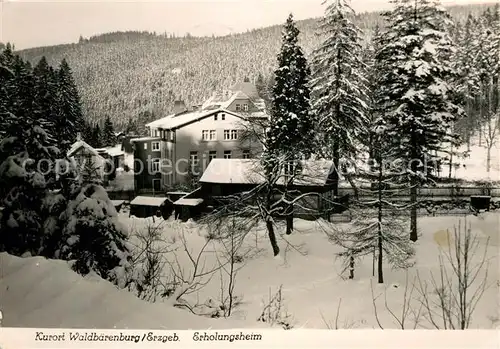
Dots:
pixel 36 292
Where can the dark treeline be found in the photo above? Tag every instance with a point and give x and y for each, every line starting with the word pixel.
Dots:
pixel 51 206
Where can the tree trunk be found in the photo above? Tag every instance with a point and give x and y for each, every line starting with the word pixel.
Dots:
pixel 380 217
pixel 289 224
pixel 272 237
pixel 413 190
pixel 488 157
pixel 413 216
pixel 336 163
pixel 451 162
pixel 351 267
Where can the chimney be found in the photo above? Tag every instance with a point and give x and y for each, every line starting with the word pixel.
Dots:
pixel 78 136
pixel 179 107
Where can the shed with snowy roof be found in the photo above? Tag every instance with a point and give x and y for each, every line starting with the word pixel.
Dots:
pixel 313 182
pixel 146 206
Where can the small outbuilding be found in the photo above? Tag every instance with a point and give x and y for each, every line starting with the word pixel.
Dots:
pixel 146 206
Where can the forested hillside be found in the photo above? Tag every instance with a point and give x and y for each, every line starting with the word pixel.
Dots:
pixel 138 75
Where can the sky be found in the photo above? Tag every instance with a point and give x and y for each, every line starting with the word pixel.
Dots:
pixel 41 23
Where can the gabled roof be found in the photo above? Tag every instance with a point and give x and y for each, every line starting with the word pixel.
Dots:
pixel 250 171
pixel 148 201
pixel 174 122
pixel 246 87
pixel 81 144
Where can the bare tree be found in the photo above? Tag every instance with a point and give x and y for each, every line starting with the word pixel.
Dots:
pixel 490 133
pixel 271 199
pixel 275 312
pixel 231 233
pixel 150 279
pixel 451 298
pixel 407 309
pixel 335 325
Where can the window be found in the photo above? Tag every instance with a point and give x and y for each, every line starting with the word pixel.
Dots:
pixel 245 107
pixel 212 154
pixel 208 135
pixel 227 154
pixel 155 146
pixel 223 116
pixel 238 107
pixel 156 133
pixel 215 117
pixel 145 146
pixel 193 158
pixel 155 166
pixel 213 135
pixel 246 154
pixel 230 135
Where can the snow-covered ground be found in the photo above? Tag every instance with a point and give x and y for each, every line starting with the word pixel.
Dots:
pixel 40 293
pixel 473 167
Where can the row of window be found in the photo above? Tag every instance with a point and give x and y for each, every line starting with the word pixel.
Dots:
pixel 155 146
pixel 165 134
pixel 212 154
pixel 211 135
pixel 240 107
pixel 194 160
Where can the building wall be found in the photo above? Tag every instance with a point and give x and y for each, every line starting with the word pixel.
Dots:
pixel 189 139
pixel 241 102
pixel 143 163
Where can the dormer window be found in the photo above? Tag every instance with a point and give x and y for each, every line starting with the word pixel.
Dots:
pixel 223 116
pixel 215 117
pixel 245 107
pixel 238 107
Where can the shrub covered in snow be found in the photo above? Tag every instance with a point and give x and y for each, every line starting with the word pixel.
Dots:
pixel 24 188
pixel 92 235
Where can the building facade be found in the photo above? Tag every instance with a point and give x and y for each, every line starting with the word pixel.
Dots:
pixel 181 145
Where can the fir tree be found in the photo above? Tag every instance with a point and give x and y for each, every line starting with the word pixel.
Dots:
pixel 108 133
pixel 96 140
pixel 70 118
pixel 45 93
pixel 24 185
pixel 416 90
pixel 291 125
pixel 338 86
pixel 291 129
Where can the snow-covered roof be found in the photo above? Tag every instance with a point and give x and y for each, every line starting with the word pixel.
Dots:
pixel 188 202
pixel 115 151
pixel 81 144
pixel 172 122
pixel 144 139
pixel 250 171
pixel 148 201
pixel 117 202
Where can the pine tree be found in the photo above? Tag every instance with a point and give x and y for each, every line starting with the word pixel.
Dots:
pixel 291 125
pixel 416 89
pixel 338 86
pixel 70 118
pixel 96 141
pixel 45 93
pixel 291 129
pixel 108 133
pixel 23 153
pixel 7 89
